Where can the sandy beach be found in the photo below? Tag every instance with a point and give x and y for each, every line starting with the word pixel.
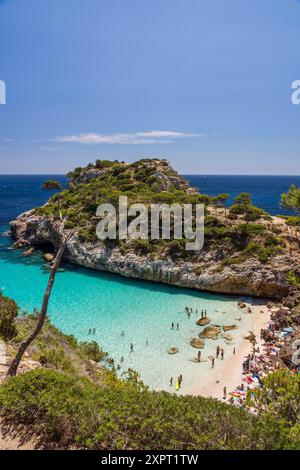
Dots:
pixel 228 372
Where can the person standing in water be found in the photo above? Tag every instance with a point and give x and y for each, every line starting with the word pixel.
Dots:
pixel 172 326
pixel 131 347
pixel 177 327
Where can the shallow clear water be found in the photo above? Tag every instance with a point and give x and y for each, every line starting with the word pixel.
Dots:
pixel 84 299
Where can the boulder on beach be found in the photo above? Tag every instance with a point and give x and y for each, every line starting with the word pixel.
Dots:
pixel 210 332
pixel 49 257
pixel 251 337
pixel 230 327
pixel 203 321
pixel 197 343
pixel 173 350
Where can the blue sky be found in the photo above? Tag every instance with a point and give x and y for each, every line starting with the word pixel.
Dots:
pixel 203 83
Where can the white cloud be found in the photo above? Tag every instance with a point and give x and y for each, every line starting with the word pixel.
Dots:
pixel 148 137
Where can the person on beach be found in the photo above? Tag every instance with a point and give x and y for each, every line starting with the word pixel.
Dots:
pixel 224 393
pixel 222 354
pixel 218 352
pixel 234 350
pixel 171 381
pixel 212 362
pixel 199 356
pixel 180 380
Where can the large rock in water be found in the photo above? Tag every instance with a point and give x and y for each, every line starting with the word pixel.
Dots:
pixel 203 321
pixel 230 327
pixel 210 332
pixel 49 257
pixel 197 343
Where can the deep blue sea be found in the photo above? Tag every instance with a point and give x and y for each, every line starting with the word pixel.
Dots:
pixel 265 190
pixel 20 193
pixel 84 299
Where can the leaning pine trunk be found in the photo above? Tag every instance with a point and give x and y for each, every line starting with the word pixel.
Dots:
pixel 12 371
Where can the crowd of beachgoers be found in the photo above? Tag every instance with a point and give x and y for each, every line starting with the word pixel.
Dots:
pixel 266 357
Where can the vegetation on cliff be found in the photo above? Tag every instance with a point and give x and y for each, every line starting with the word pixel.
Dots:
pixel 242 232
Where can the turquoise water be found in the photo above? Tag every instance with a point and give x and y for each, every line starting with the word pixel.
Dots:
pixel 84 299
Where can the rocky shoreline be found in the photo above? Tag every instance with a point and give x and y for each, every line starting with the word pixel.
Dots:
pixel 250 278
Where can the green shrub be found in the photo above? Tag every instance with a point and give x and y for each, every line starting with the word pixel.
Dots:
pixel 91 350
pixel 57 359
pixel 278 402
pixel 8 315
pixel 72 411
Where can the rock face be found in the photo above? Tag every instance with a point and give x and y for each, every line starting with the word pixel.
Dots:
pixel 249 278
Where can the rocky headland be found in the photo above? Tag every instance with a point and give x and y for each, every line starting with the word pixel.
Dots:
pixel 246 251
